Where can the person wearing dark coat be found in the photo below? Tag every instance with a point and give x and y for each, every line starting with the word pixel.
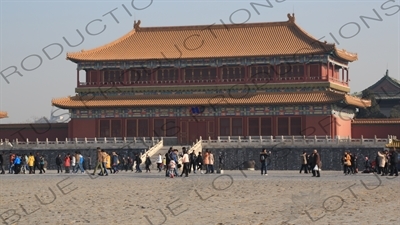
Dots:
pixel 316 163
pixel 367 166
pixel 59 163
pixel 199 162
pixel 148 163
pixel 393 162
pixel 168 160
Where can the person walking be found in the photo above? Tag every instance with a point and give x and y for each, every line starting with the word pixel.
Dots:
pixel 73 162
pixel 31 162
pixel 199 162
pixel 211 165
pixel 347 163
pixel 41 165
pixel 303 161
pixel 67 163
pixel 206 160
pixel 168 160
pixel 99 164
pixel 186 165
pixel 159 162
pixel 104 157
pixel 115 162
pixel 316 163
pixel 138 161
pixel 148 163
pixel 59 163
pixel 17 164
pixel 11 165
pixel 193 161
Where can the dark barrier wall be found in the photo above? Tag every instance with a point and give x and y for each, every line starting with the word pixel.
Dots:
pixel 289 158
pixel 281 158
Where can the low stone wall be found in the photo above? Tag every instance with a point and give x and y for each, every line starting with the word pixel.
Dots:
pixel 289 158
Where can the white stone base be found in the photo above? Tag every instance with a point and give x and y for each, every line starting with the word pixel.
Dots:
pixel 250 168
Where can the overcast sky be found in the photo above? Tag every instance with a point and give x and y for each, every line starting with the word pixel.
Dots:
pixel 29 26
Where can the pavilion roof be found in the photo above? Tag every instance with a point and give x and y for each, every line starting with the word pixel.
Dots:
pixel 212 41
pixel 385 88
pixel 3 114
pixel 209 100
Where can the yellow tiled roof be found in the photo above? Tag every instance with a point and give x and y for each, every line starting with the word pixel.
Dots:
pixel 3 114
pixel 216 41
pixel 205 100
pixel 352 100
pixel 377 121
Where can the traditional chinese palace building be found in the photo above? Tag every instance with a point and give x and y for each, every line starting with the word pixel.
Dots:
pixel 209 81
pixel 386 92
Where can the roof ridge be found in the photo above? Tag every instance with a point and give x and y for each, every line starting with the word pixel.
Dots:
pixel 385 77
pixel 214 26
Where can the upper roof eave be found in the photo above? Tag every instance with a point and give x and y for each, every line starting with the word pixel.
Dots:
pixel 292 32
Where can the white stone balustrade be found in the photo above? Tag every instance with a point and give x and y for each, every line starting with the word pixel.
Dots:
pixel 220 142
pixel 80 143
pixel 294 141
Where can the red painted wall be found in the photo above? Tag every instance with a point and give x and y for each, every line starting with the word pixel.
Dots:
pixel 33 131
pixel 370 130
pixel 81 128
pixel 318 125
pixel 343 127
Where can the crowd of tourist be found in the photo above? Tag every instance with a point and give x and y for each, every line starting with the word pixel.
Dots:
pixel 385 163
pixel 311 163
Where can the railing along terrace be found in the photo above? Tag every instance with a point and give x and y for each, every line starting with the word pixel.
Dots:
pixel 132 142
pixel 277 79
pixel 258 141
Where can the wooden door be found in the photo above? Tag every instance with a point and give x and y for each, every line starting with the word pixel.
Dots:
pixel 197 129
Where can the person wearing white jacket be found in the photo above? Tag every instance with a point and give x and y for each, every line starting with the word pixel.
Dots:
pixel 159 162
pixel 73 163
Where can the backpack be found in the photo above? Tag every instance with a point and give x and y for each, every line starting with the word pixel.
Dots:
pixel 262 157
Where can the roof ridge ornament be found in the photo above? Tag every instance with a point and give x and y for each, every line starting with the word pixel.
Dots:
pixel 291 17
pixel 136 25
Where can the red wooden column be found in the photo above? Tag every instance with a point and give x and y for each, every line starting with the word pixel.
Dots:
pixel 305 71
pixel 275 72
pixel 327 71
pixel 218 80
pixel 125 77
pixel 179 75
pixel 342 74
pixel 152 76
pixel 77 77
pixel 246 73
pixel 347 76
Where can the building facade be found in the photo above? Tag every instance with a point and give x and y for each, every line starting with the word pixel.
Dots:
pixel 260 79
